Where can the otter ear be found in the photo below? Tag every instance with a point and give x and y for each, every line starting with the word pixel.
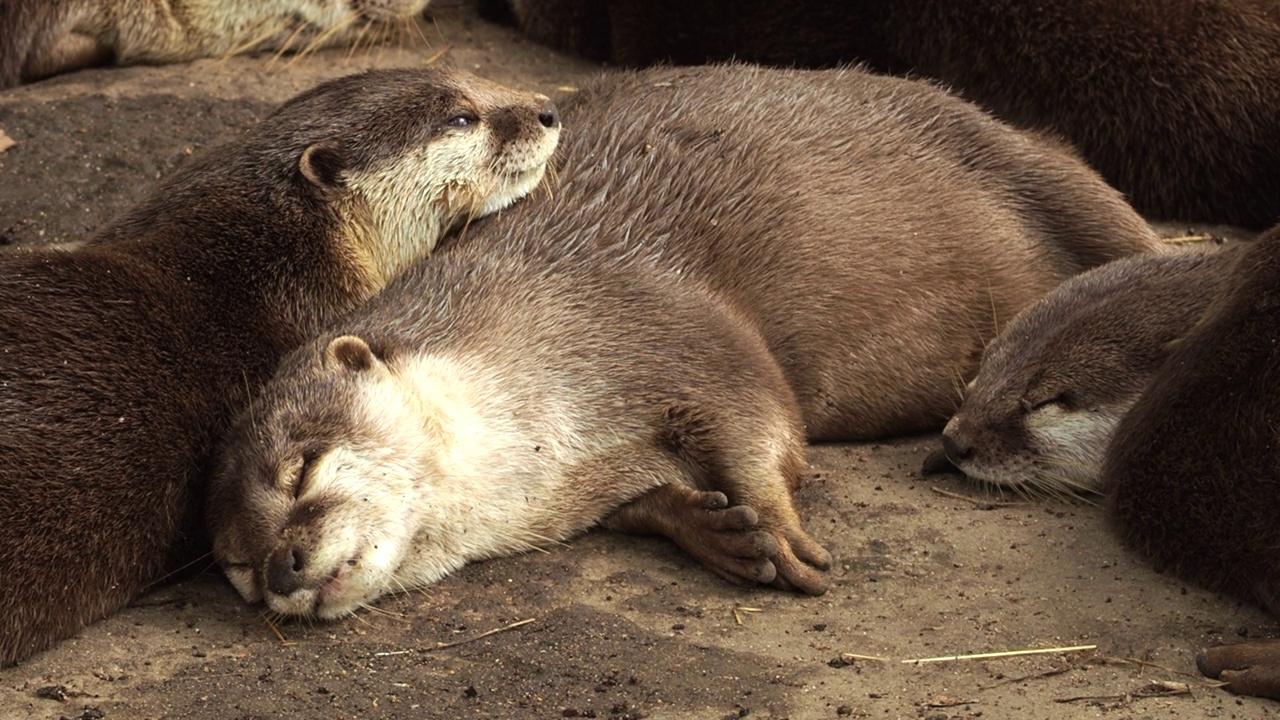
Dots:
pixel 321 164
pixel 349 353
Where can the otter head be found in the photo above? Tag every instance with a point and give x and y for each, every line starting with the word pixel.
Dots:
pixel 1053 386
pixel 397 157
pixel 312 503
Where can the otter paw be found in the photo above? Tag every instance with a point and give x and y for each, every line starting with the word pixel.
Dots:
pixel 802 563
pixel 1251 668
pixel 728 540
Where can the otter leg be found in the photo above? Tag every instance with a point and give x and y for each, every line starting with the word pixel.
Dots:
pixel 1251 668
pixel 723 538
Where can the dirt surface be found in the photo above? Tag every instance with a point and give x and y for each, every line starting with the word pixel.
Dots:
pixel 608 626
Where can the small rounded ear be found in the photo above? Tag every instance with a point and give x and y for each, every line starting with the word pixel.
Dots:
pixel 321 164
pixel 349 352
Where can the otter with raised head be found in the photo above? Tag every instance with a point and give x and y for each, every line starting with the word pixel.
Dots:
pixel 494 402
pixel 1055 382
pixel 40 38
pixel 1173 101
pixel 870 242
pixel 1192 475
pixel 122 361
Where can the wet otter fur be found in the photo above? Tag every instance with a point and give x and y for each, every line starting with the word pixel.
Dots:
pixel 870 243
pixel 123 360
pixel 1193 474
pixel 1175 102
pixel 1052 386
pixel 493 402
pixel 40 38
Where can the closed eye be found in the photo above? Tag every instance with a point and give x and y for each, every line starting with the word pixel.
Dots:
pixel 309 459
pixel 1062 400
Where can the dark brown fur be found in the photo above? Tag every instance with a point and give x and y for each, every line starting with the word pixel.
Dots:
pixel 1193 474
pixel 878 231
pixel 121 362
pixel 1175 102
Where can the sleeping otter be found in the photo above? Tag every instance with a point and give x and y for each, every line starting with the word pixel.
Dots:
pixel 122 361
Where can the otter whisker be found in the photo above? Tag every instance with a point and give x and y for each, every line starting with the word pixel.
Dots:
pixel 272 25
pixel 320 40
pixel 286 45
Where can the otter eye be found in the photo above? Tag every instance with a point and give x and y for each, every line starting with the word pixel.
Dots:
pixel 304 471
pixel 462 119
pixel 1062 400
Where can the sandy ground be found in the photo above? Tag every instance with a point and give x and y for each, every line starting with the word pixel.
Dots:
pixel 608 626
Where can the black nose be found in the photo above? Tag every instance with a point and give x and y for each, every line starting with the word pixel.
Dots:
pixel 957 450
pixel 284 573
pixel 549 117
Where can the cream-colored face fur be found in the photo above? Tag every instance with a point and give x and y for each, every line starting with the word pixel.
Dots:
pixel 1055 449
pixel 396 504
pixel 464 173
pixel 159 31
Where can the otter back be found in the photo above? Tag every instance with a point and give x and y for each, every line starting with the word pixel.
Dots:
pixel 878 231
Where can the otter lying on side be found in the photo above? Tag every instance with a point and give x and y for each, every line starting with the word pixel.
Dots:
pixel 868 231
pixel 490 403
pixel 1193 474
pixel 1173 101
pixel 122 361
pixel 39 38
pixel 1054 384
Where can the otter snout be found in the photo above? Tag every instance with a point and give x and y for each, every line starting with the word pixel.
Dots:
pixel 286 570
pixel 957 448
pixel 549 116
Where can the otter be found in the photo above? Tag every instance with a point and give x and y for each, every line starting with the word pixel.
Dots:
pixel 491 402
pixel 1053 385
pixel 879 230
pixel 1146 90
pixel 123 360
pixel 40 38
pixel 871 242
pixel 1192 475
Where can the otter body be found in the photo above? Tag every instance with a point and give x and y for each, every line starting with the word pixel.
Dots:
pixel 492 402
pixel 39 38
pixel 1056 381
pixel 1173 101
pixel 878 231
pixel 122 361
pixel 1193 474
pixel 714 266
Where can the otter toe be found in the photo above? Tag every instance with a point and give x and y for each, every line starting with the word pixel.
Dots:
pixel 1251 668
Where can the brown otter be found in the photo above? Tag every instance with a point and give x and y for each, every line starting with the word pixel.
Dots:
pixel 1056 381
pixel 877 229
pixel 123 360
pixel 39 38
pixel 492 402
pixel 871 241
pixel 1192 475
pixel 1173 101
